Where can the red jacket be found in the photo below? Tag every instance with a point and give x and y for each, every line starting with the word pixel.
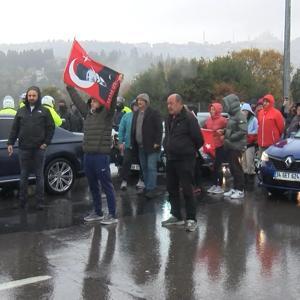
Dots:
pixel 216 122
pixel 270 124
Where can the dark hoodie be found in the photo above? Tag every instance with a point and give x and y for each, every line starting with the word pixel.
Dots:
pixel 216 122
pixel 236 129
pixel 33 128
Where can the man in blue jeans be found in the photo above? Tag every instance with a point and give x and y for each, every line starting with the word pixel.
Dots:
pixel 34 126
pixel 96 148
pixel 146 138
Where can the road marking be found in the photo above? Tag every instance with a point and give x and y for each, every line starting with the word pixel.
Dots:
pixel 21 282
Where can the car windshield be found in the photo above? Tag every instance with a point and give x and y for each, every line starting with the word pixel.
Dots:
pixel 297 135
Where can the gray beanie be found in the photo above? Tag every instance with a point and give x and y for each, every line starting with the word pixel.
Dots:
pixel 144 97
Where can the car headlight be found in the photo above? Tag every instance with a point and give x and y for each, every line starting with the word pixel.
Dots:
pixel 264 156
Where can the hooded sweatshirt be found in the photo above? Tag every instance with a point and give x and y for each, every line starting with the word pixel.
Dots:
pixel 216 122
pixel 236 129
pixel 270 124
pixel 252 125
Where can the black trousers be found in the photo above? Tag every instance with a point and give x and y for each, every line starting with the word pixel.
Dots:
pixel 234 157
pixel 32 160
pixel 126 165
pixel 219 159
pixel 181 173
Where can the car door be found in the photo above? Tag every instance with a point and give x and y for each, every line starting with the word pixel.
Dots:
pixel 9 166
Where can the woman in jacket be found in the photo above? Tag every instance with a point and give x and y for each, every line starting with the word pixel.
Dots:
pixel 217 123
pixel 270 124
pixel 249 154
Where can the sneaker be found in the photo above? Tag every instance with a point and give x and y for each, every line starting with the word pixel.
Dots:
pixel 172 221
pixel 123 186
pixel 218 190
pixel 93 217
pixel 191 225
pixel 140 184
pixel 229 193
pixel 211 189
pixel 109 219
pixel 237 194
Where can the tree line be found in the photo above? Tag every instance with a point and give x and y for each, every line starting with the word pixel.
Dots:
pixel 250 73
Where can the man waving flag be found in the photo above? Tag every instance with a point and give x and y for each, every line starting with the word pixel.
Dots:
pixel 91 77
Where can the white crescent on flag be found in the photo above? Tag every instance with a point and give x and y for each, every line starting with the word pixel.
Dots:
pixel 85 84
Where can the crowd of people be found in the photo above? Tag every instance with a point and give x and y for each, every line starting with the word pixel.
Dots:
pixel 64 117
pixel 246 129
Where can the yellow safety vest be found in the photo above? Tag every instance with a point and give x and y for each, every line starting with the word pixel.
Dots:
pixel 8 111
pixel 126 109
pixel 56 118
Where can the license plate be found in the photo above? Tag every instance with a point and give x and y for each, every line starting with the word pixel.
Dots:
pixel 287 176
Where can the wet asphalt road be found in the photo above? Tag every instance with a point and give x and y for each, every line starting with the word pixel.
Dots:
pixel 246 249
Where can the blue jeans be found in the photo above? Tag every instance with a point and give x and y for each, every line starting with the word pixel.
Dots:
pixel 148 163
pixel 32 160
pixel 96 167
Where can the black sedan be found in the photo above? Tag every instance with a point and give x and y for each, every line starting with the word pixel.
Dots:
pixel 63 163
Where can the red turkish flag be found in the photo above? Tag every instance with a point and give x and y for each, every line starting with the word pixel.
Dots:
pixel 91 77
pixel 208 146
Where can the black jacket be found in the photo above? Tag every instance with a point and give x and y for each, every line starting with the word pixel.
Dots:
pixel 151 130
pixel 32 128
pixel 183 137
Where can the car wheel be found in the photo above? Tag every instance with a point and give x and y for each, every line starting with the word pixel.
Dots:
pixel 59 176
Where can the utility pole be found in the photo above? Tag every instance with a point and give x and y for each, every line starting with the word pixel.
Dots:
pixel 287 43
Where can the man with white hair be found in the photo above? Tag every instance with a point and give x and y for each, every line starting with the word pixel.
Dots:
pixel 8 106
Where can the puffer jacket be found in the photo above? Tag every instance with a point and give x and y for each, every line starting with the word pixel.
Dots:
pixel 270 124
pixel 33 128
pixel 97 125
pixel 216 122
pixel 236 129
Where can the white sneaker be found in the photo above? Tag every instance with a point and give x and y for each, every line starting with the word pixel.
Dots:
pixel 211 189
pixel 93 217
pixel 191 225
pixel 109 219
pixel 237 194
pixel 123 185
pixel 218 190
pixel 140 184
pixel 229 193
pixel 172 221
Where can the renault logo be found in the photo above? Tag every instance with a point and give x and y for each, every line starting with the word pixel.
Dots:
pixel 288 161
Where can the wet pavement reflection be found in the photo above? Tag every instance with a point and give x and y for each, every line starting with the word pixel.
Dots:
pixel 245 249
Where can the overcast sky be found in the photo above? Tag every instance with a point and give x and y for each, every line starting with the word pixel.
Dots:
pixel 177 21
